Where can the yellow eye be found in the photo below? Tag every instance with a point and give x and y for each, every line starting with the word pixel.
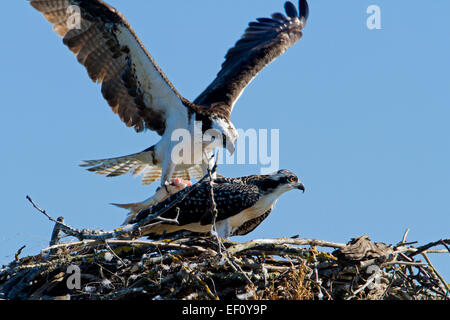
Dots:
pixel 291 179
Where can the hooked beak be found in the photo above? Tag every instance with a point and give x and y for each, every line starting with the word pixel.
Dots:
pixel 230 147
pixel 300 186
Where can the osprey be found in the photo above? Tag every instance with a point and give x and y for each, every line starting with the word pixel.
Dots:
pixel 140 93
pixel 241 203
pixel 160 195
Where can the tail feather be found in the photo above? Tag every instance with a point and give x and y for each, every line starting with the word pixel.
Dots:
pixel 183 174
pixel 120 169
pixel 189 173
pixel 196 172
pixel 141 163
pixel 139 169
pixel 134 208
pixel 160 195
pixel 137 163
pixel 150 175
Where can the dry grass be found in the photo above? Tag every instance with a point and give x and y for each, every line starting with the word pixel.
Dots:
pixel 293 285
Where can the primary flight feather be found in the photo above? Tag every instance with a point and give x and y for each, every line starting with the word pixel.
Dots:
pixel 142 96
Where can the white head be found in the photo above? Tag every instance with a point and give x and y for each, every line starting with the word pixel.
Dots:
pixel 279 182
pixel 223 134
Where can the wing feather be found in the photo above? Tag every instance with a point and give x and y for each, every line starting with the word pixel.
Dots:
pixel 263 41
pixel 105 44
pixel 230 200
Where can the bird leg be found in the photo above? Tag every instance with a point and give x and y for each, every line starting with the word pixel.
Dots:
pixel 209 164
pixel 168 167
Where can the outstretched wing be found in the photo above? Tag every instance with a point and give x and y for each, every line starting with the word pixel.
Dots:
pixel 103 41
pixel 262 42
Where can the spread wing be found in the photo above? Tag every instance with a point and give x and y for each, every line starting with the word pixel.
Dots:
pixel 105 44
pixel 262 42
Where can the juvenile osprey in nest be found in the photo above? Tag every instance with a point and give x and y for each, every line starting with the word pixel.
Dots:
pixel 242 204
pixel 140 93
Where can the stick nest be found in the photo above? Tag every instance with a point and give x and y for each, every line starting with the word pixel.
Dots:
pixel 201 268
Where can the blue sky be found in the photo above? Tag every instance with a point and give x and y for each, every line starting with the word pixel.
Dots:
pixel 363 118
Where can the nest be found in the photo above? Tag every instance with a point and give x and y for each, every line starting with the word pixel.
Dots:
pixel 194 268
pixel 116 265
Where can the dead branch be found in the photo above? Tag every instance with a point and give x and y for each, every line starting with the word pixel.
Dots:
pixel 264 244
pixel 116 266
pixel 131 230
pixel 192 268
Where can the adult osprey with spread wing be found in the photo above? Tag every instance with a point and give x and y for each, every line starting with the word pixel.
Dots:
pixel 140 93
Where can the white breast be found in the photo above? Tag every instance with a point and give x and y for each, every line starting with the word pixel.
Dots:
pixel 259 208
